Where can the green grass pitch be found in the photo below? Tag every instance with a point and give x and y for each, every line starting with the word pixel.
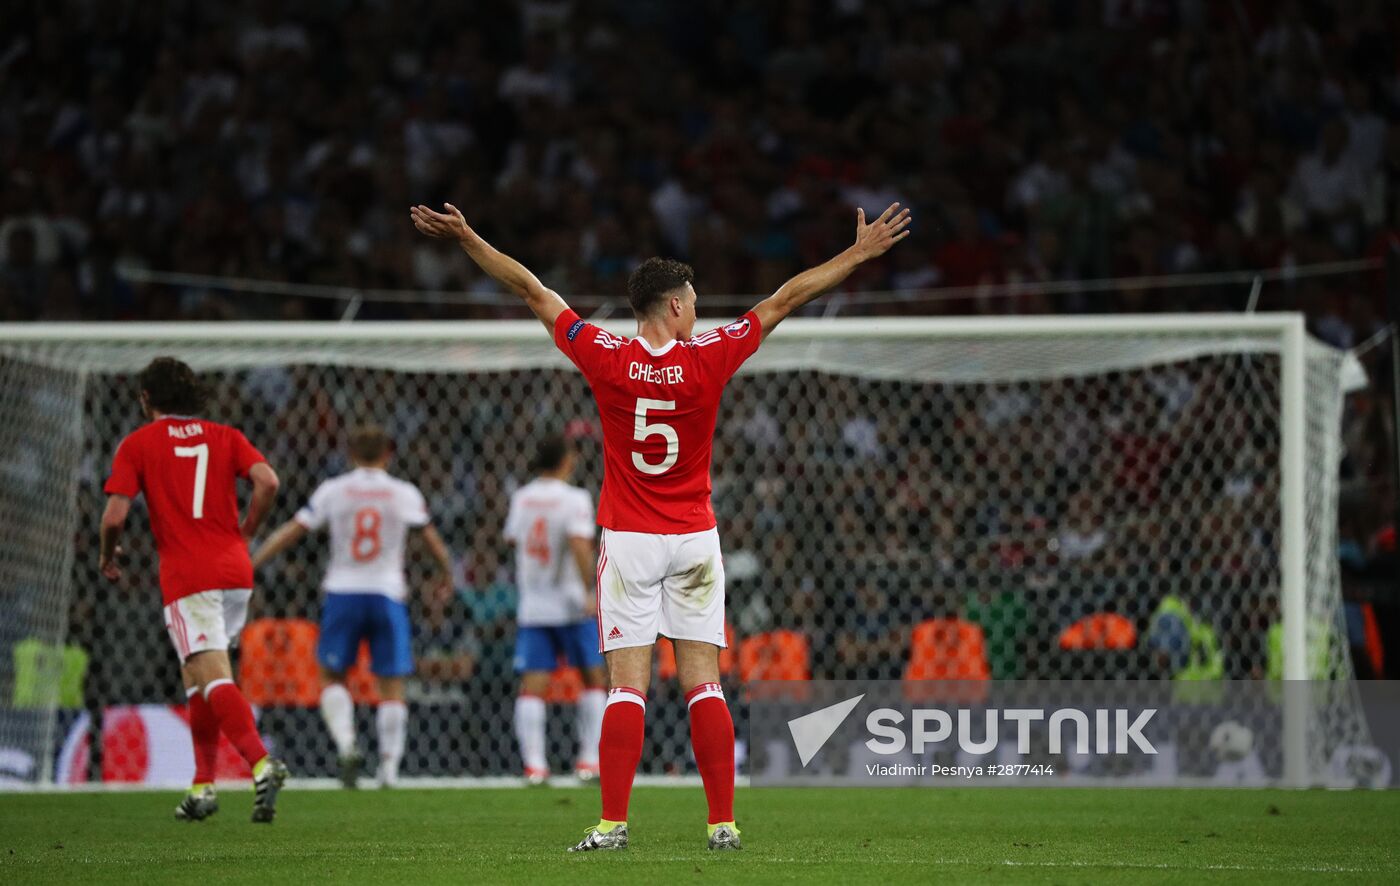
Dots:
pixel 807 836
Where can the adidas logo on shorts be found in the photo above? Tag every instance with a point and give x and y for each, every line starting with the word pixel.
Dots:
pixel 614 634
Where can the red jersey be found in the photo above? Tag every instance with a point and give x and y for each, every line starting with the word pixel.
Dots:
pixel 186 468
pixel 658 409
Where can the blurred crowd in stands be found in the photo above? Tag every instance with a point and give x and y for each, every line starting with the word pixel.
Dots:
pixel 1037 140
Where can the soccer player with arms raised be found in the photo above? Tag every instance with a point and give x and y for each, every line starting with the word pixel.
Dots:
pixel 659 565
pixel 187 467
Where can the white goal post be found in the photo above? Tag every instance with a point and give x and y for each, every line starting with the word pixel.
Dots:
pixel 1083 407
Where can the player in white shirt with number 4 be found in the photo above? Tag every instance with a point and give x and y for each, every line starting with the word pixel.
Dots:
pixel 550 523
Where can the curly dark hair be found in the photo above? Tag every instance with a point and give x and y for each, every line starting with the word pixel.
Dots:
pixel 172 388
pixel 651 281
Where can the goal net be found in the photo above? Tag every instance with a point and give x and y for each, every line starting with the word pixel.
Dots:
pixel 1148 497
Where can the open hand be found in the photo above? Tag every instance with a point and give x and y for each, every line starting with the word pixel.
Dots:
pixel 876 238
pixel 449 225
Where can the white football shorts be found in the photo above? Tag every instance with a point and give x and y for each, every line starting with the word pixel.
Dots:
pixel 659 585
pixel 207 620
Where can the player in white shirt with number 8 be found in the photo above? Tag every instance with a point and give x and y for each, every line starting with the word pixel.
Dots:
pixel 369 514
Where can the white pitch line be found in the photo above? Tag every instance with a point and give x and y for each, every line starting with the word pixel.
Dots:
pixel 1163 866
pixel 486 782
pixel 1125 865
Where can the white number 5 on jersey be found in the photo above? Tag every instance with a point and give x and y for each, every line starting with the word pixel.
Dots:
pixel 642 430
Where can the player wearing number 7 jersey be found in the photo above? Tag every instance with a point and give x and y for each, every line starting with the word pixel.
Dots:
pixel 369 514
pixel 186 467
pixel 659 569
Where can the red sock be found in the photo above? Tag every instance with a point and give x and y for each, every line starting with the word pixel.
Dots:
pixel 620 749
pixel 712 738
pixel 204 732
pixel 235 719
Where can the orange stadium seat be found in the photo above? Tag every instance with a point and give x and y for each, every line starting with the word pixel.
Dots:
pixel 278 665
pixel 775 655
pixel 565 686
pixel 1099 631
pixel 947 662
pixel 947 649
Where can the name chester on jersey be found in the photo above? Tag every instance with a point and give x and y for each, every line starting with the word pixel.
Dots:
pixel 658 375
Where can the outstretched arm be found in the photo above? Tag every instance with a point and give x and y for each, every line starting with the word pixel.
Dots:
pixel 511 274
pixel 283 537
pixel 872 241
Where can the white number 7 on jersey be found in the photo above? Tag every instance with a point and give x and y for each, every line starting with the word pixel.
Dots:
pixel 642 430
pixel 200 454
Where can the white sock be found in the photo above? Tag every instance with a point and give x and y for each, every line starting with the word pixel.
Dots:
pixel 338 710
pixel 529 730
pixel 590 725
pixel 392 723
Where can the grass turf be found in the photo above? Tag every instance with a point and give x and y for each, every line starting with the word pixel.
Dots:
pixel 798 835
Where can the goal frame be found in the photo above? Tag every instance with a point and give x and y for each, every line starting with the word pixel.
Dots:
pixel 1287 328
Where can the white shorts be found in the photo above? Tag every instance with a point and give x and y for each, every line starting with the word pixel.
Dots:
pixel 667 585
pixel 207 620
